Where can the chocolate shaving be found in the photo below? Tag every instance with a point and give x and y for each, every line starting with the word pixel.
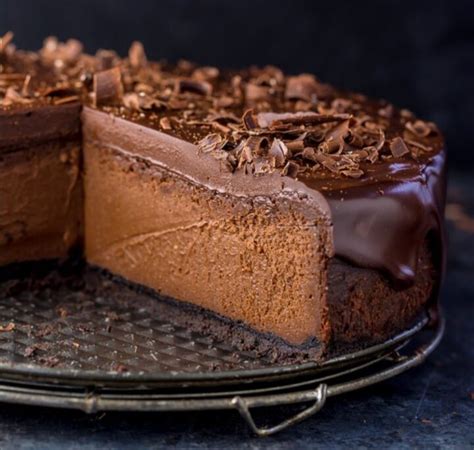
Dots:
pixel 132 101
pixel 352 173
pixel 137 56
pixel 419 145
pixel 25 89
pixel 106 59
pixel 59 53
pixel 107 87
pixel 224 102
pixel 11 77
pixel 306 87
pixel 341 105
pixel 177 104
pixel 283 120
pixel 219 127
pixel 245 155
pixel 194 86
pixel 68 99
pixel 5 40
pixel 419 128
pixel 278 153
pixel 255 93
pixel 296 145
pixel 328 162
pixel 12 97
pixel 205 73
pixel 141 101
pixel 309 153
pixel 398 147
pixel 290 170
pixel 339 132
pixel 331 146
pixel 387 111
pixel 372 154
pixel 249 119
pixel 165 124
pixel 211 142
pixel 71 50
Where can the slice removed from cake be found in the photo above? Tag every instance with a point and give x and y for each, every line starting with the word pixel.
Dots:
pixel 158 216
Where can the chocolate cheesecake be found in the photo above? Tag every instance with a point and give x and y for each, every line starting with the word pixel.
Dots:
pixel 305 213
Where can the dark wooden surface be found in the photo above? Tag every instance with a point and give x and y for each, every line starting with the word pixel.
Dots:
pixel 428 407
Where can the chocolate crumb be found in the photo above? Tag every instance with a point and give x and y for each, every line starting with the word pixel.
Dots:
pixel 7 328
pixel 29 351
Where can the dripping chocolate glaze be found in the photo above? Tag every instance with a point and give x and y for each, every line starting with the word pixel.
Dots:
pixel 382 222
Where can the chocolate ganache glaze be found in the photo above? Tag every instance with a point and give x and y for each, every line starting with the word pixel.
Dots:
pixel 382 221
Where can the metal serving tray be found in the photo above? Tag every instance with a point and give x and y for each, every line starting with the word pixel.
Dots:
pixel 142 363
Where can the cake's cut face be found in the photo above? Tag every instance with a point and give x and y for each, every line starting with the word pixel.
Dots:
pixel 41 210
pixel 192 243
pixel 303 212
pixel 41 202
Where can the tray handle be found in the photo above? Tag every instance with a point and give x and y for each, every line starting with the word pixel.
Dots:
pixel 244 404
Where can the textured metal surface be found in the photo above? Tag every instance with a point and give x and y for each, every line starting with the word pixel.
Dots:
pixel 86 342
pixel 93 327
pixel 78 333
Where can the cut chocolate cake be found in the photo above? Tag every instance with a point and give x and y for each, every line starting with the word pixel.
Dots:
pixel 303 212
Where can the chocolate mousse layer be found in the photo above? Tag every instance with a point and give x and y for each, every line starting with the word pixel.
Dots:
pixel 252 252
pixel 40 183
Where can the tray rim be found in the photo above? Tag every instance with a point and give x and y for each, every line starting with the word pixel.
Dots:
pixel 91 402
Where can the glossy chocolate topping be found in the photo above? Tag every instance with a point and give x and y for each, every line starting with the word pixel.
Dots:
pixel 382 222
pixel 380 169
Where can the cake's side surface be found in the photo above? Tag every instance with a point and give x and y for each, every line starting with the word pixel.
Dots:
pixel 365 308
pixel 256 259
pixel 40 183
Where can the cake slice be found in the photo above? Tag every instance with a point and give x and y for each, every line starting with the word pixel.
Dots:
pixel 306 214
pixel 158 216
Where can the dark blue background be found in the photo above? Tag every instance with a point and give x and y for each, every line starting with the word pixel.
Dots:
pixel 418 54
